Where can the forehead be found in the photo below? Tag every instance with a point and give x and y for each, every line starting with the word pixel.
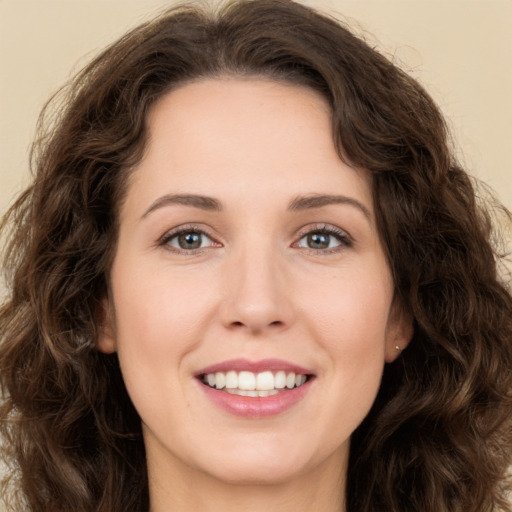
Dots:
pixel 243 137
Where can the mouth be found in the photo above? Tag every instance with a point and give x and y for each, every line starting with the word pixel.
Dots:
pixel 255 385
pixel 255 389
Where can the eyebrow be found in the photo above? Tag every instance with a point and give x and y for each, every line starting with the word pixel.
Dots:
pixel 319 200
pixel 298 204
pixel 196 201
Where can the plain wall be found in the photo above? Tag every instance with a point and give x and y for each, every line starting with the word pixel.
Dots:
pixel 461 50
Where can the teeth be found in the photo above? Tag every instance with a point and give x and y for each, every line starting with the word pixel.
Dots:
pixel 231 380
pixel 265 381
pixel 267 393
pixel 299 380
pixel 280 380
pixel 220 380
pixel 247 381
pixel 254 384
pixel 242 392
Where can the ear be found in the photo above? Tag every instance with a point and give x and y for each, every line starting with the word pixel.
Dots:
pixel 399 331
pixel 106 341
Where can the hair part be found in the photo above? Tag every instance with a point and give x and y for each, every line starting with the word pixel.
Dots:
pixel 438 437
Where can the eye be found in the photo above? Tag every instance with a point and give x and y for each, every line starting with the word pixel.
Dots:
pixel 187 239
pixel 324 239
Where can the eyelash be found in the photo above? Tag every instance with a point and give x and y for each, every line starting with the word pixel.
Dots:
pixel 344 239
pixel 181 230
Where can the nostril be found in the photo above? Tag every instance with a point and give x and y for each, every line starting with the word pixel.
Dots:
pixel 276 323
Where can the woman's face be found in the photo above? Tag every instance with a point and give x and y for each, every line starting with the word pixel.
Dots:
pixel 248 256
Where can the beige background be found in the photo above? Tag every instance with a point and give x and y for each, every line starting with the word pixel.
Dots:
pixel 461 50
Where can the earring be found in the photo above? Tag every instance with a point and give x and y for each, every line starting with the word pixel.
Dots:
pixel 398 348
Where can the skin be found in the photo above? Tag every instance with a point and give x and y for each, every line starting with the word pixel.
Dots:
pixel 255 289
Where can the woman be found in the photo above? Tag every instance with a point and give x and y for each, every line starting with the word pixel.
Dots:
pixel 250 274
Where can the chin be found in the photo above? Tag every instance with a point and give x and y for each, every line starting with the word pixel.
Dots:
pixel 269 473
pixel 260 463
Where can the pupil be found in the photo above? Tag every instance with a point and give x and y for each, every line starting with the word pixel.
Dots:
pixel 189 240
pixel 318 241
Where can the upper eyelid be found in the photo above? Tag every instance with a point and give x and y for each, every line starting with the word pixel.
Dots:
pixel 346 241
pixel 173 232
pixel 303 231
pixel 329 228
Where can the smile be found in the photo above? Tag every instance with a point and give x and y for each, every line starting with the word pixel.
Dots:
pixel 246 383
pixel 255 389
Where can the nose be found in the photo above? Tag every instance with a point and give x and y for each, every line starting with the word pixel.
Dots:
pixel 257 293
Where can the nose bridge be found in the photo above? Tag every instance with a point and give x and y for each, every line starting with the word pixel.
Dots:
pixel 257 297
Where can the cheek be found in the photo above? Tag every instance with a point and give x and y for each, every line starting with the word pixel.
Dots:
pixel 354 309
pixel 156 302
pixel 157 325
pixel 349 319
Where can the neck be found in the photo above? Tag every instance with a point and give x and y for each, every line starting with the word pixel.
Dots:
pixel 322 488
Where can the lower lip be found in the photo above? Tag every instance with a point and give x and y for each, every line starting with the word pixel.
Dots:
pixel 256 407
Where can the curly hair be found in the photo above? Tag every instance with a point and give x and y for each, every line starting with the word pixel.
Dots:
pixel 439 436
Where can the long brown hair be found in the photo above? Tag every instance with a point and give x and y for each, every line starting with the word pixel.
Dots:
pixel 438 438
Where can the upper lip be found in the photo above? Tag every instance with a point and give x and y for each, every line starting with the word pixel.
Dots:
pixel 239 365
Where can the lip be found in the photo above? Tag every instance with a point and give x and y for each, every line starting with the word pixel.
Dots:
pixel 240 365
pixel 255 407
